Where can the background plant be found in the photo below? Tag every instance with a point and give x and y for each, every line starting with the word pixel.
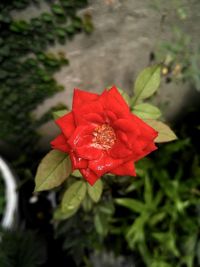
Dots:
pixel 153 219
pixel 181 52
pixel 26 74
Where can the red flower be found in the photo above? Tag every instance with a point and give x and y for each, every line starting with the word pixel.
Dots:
pixel 101 135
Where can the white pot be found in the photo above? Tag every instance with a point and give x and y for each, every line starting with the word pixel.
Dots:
pixel 10 211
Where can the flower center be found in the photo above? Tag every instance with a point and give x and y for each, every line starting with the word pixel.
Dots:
pixel 104 137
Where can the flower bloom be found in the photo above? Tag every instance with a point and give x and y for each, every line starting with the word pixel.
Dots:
pixel 101 135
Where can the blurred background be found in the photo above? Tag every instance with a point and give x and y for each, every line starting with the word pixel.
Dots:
pixel 48 48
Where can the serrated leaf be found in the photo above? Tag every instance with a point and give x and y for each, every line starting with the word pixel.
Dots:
pixel 147 82
pixel 59 113
pixel 73 197
pixel 146 111
pixel 132 204
pixel 95 191
pixel 165 134
pixel 53 170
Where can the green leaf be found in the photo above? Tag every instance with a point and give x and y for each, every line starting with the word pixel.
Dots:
pixel 136 233
pixel 156 218
pixel 95 191
pixel 73 197
pixel 59 113
pixel 101 224
pixel 77 173
pixel 102 218
pixel 132 204
pixel 147 83
pixel 87 204
pixel 146 111
pixel 158 263
pixel 53 170
pixel 57 9
pixel 107 208
pixel 60 215
pixel 167 240
pixel 148 194
pixel 165 134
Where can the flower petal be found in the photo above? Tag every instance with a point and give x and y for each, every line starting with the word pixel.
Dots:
pixel 66 124
pixel 80 114
pixel 88 152
pixel 78 163
pixel 60 143
pixel 126 126
pixel 81 136
pixel 89 175
pixel 104 164
pixel 82 97
pixel 127 168
pixel 120 150
pixel 93 118
pixel 113 99
pixel 148 149
pixel 146 131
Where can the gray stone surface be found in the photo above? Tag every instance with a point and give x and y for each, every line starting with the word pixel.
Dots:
pixel 126 31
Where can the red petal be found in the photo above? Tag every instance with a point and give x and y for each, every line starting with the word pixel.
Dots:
pixel 80 114
pixel 94 118
pixel 122 137
pixel 89 175
pixel 81 143
pixel 81 97
pixel 147 150
pixel 81 136
pixel 125 169
pixel 127 126
pixel 78 163
pixel 120 150
pixel 146 131
pixel 104 164
pixel 66 124
pixel 113 99
pixel 60 143
pixel 110 116
pixel 88 152
pixel 114 93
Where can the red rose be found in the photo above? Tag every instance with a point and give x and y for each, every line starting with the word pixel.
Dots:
pixel 101 135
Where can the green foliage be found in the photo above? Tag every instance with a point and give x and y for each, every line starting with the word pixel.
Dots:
pixel 53 170
pixel 74 196
pixel 95 191
pixel 59 113
pixel 24 249
pixel 147 83
pixel 27 70
pixel 166 219
pixel 146 111
pixel 165 134
pixel 155 217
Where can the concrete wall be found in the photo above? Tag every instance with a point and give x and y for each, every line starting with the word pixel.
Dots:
pixel 126 31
